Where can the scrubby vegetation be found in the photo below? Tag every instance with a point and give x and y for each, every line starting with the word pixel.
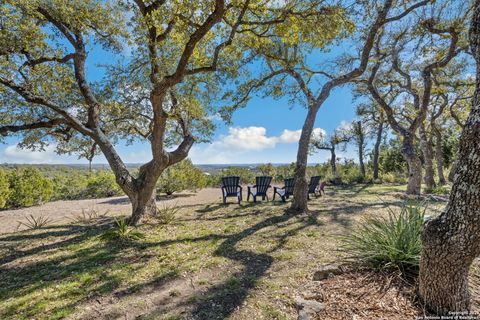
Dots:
pixel 388 242
pixel 181 176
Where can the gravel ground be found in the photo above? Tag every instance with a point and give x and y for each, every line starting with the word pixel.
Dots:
pixel 60 212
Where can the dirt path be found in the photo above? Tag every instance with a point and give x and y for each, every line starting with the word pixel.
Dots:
pixel 60 212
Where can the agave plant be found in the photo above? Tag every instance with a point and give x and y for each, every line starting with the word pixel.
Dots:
pixel 122 231
pixel 33 222
pixel 166 214
pixel 391 242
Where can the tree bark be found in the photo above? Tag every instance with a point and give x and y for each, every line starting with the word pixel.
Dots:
pixel 414 167
pixel 376 150
pixel 451 174
pixel 439 157
pixel 143 205
pixel 451 241
pixel 427 151
pixel 299 203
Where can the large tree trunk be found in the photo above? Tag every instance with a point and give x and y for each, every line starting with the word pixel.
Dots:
pixel 143 205
pixel 439 157
pixel 414 167
pixel 376 150
pixel 427 151
pixel 451 241
pixel 299 203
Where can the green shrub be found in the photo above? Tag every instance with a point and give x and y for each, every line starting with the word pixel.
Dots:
pixel 246 175
pixel 181 176
pixel 442 190
pixel 285 172
pixel 267 170
pixel 28 188
pixel 101 185
pixel 391 242
pixel 4 189
pixel 71 185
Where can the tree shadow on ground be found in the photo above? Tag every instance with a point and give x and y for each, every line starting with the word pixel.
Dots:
pixel 220 300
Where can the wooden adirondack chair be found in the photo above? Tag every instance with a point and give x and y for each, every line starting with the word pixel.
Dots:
pixel 231 188
pixel 312 186
pixel 260 188
pixel 286 191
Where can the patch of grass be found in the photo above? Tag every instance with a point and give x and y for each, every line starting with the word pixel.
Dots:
pixel 387 242
pixel 175 293
pixel 33 223
pixel 272 312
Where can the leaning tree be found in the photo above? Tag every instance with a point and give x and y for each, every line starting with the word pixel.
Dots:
pixel 451 241
pixel 292 68
pixel 164 63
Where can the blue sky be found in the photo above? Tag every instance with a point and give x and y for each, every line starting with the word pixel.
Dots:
pixel 266 130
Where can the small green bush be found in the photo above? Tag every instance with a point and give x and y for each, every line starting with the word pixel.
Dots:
pixel 102 185
pixel 391 242
pixel 181 176
pixel 28 188
pixel 442 190
pixel 4 189
pixel 246 175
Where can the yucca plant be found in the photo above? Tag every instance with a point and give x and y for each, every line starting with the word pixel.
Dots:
pixel 33 222
pixel 391 242
pixel 166 214
pixel 122 231
pixel 88 215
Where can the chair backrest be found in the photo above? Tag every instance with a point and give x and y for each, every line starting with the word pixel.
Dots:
pixel 314 181
pixel 262 184
pixel 230 184
pixel 289 184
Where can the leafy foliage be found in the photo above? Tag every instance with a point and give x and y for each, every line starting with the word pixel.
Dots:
pixel 102 184
pixel 28 188
pixel 391 242
pixel 4 188
pixel 181 176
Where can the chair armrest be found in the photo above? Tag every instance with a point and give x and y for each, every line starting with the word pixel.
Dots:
pixel 240 187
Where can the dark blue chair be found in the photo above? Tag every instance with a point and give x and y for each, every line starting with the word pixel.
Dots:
pixel 260 188
pixel 286 191
pixel 231 188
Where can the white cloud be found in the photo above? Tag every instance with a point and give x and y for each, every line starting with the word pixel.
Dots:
pixel 14 154
pixel 289 136
pixel 249 138
pixel 243 143
pixel 319 133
